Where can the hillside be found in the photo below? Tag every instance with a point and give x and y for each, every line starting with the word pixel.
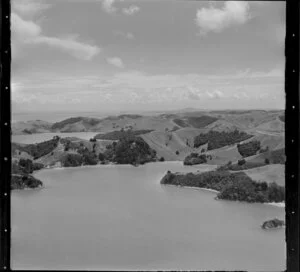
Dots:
pixel 269 173
pixel 175 135
pixel 31 127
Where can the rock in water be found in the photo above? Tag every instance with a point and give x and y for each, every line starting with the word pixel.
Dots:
pixel 273 224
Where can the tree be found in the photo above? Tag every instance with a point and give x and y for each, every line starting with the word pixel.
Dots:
pixel 101 157
pixel 267 161
pixel 162 159
pixel 241 162
pixel 177 152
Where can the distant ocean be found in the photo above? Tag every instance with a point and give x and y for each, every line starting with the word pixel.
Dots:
pixel 52 116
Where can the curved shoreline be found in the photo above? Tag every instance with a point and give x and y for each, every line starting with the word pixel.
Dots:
pixel 278 205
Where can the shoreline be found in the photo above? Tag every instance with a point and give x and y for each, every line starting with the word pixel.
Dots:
pixel 194 188
pixel 278 205
pixel 114 164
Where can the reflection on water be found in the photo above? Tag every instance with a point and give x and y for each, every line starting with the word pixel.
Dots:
pixel 121 218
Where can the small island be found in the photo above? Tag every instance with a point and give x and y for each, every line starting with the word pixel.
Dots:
pixel 273 224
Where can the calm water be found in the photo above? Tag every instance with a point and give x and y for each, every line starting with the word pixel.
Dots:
pixel 40 137
pixel 52 116
pixel 121 218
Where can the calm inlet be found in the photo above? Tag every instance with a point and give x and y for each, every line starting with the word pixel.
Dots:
pixel 121 218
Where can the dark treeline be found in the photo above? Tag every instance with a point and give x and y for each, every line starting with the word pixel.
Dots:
pixel 242 165
pixel 195 158
pixel 231 186
pixel 216 139
pixel 248 149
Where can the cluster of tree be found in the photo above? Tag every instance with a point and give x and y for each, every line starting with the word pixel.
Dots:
pixel 24 181
pixel 216 139
pixel 72 160
pixel 201 121
pixel 195 158
pixel 248 149
pixel 27 166
pixel 88 157
pixel 241 165
pixel 231 186
pixel 41 149
pixel 133 150
pixel 121 134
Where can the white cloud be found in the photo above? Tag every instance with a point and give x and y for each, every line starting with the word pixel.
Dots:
pixel 24 30
pixel 240 95
pixel 28 32
pixel 131 10
pixel 29 7
pixel 108 6
pixel 115 62
pixel 216 94
pixel 215 19
pixel 70 45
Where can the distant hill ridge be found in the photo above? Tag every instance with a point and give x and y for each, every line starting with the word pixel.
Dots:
pixel 216 120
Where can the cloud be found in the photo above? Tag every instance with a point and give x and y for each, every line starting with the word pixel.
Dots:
pixel 115 62
pixel 215 19
pixel 107 6
pixel 131 10
pixel 24 30
pixel 70 45
pixel 28 32
pixel 216 94
pixel 240 95
pixel 29 7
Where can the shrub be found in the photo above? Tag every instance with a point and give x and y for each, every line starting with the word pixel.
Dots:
pixel 101 157
pixel 177 152
pixel 267 161
pixel 162 159
pixel 241 162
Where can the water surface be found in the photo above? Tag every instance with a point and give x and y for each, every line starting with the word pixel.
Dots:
pixel 122 218
pixel 41 137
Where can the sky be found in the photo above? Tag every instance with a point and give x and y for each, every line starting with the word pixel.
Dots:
pixel 129 55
